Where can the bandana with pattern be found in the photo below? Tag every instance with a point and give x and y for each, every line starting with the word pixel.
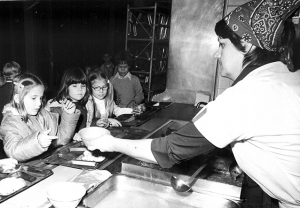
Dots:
pixel 260 22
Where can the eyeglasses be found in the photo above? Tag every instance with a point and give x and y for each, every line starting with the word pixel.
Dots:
pixel 100 88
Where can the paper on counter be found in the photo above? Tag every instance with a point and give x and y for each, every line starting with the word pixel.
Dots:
pixel 92 178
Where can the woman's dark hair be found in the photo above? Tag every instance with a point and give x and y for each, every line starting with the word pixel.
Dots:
pixel 290 45
pixel 256 57
pixel 73 76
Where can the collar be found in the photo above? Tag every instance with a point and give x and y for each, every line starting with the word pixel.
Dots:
pixel 247 70
pixel 277 70
pixel 128 75
pixel 98 100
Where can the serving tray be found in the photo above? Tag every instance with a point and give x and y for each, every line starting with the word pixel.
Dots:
pixel 158 104
pixel 30 174
pixel 72 154
pixel 129 120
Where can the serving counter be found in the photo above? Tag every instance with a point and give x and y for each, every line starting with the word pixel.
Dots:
pixel 163 121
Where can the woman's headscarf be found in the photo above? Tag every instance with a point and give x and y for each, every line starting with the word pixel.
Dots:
pixel 261 22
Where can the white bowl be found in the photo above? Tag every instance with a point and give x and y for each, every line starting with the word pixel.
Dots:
pixel 65 194
pixel 89 134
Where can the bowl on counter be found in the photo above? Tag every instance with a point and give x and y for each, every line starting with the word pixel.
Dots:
pixel 65 194
pixel 90 134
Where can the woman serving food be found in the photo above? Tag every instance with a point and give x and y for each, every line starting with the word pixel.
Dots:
pixel 259 115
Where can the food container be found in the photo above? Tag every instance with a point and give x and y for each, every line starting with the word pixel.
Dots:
pixel 90 134
pixel 65 194
pixel 129 191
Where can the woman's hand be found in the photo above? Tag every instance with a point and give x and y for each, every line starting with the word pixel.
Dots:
pixel 77 137
pixel 8 162
pixel 44 139
pixel 114 122
pixel 69 106
pixel 103 143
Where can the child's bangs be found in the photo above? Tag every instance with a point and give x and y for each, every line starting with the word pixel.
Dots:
pixel 77 78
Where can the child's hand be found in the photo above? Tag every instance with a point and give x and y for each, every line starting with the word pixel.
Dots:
pixel 118 101
pixel 69 106
pixel 139 109
pixel 113 122
pixel 77 137
pixel 44 139
pixel 8 162
pixel 103 122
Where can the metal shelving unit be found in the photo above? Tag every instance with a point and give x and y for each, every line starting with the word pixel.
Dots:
pixel 147 39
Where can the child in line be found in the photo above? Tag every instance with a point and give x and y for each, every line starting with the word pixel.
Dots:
pixel 108 67
pixel 9 72
pixel 27 128
pixel 73 87
pixel 102 98
pixel 129 92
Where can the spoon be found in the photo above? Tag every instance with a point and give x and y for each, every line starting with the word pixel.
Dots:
pixel 182 186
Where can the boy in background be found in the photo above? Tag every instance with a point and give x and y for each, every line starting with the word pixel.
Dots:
pixel 129 92
pixel 108 67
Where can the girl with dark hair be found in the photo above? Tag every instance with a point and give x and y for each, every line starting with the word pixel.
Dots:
pixel 258 116
pixel 73 87
pixel 27 128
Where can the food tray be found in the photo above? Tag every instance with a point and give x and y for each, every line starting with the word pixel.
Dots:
pixel 73 153
pixel 31 175
pixel 158 104
pixel 129 120
pixel 128 192
pixel 128 133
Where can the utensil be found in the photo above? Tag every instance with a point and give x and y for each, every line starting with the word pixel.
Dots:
pixel 182 186
pixel 83 163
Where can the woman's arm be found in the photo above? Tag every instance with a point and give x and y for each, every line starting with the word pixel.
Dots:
pixel 184 144
pixel 139 149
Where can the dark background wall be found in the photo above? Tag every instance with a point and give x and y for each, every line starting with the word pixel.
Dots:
pixel 47 37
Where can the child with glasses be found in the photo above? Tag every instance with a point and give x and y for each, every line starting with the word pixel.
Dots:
pixel 129 92
pixel 102 97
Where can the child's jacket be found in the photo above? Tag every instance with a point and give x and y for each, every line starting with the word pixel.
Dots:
pixel 20 138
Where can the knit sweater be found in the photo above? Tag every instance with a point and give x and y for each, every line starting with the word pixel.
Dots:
pixel 127 89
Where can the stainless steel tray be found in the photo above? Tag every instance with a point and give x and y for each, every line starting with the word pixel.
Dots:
pixel 133 192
